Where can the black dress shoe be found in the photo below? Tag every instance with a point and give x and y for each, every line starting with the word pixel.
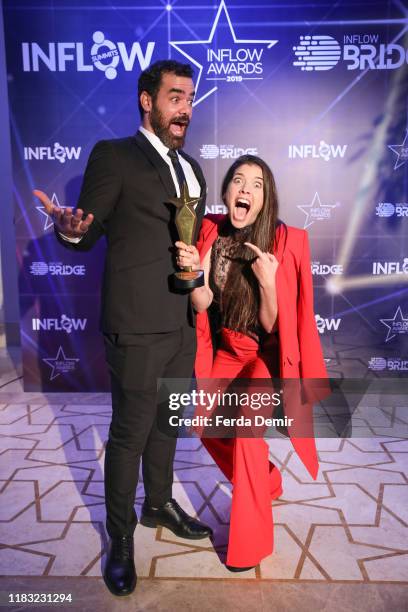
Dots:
pixel 173 517
pixel 120 573
pixel 232 568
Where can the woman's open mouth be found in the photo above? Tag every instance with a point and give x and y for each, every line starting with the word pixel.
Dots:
pixel 241 209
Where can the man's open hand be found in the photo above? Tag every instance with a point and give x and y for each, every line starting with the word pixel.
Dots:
pixel 66 221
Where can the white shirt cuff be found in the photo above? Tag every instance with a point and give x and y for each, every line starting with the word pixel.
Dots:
pixel 69 239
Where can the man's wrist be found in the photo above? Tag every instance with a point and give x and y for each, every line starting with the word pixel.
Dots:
pixel 72 239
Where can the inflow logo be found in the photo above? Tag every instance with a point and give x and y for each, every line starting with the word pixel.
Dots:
pixel 56 152
pixel 394 364
pixel 396 326
pixel 213 151
pixel 359 52
pixel 324 324
pixel 401 151
pixel 316 211
pixel 65 324
pixel 322 151
pixel 48 222
pixel 216 209
pixel 223 57
pixel 56 268
pixel 319 269
pixel 104 54
pixel 390 267
pixel 60 364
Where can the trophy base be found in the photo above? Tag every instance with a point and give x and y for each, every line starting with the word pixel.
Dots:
pixel 189 280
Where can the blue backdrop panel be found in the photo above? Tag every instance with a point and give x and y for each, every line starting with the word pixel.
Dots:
pixel 318 90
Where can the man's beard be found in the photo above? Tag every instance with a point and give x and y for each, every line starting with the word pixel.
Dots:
pixel 162 130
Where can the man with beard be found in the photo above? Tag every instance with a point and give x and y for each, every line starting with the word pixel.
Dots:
pixel 148 326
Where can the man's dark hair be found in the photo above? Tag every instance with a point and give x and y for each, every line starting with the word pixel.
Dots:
pixel 150 79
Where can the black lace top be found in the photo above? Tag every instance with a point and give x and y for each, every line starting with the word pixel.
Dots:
pixel 224 251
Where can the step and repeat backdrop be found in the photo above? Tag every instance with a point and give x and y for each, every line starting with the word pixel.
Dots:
pixel 319 90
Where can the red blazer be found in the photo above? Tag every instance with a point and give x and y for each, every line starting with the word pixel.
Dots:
pixel 300 350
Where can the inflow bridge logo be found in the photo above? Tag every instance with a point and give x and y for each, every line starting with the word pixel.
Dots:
pixel 358 51
pixel 56 268
pixel 319 269
pixel 317 53
pixel 398 364
pixel 213 151
pixel 103 54
pixel 388 209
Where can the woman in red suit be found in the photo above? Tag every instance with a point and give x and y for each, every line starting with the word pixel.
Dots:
pixel 258 288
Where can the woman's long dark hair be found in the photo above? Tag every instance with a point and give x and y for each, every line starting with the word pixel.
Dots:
pixel 240 299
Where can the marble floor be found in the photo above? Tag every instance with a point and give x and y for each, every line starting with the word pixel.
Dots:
pixel 341 542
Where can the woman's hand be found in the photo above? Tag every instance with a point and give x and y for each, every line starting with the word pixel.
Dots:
pixel 264 266
pixel 187 256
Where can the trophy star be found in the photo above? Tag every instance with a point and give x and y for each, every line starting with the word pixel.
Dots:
pixel 185 199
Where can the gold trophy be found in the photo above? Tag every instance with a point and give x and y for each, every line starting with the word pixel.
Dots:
pixel 186 221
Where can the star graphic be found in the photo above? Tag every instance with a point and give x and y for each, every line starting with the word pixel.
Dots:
pixel 390 323
pixel 53 362
pixel 401 152
pixel 316 211
pixel 48 221
pixel 203 48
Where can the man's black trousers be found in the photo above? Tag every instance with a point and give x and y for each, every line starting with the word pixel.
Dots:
pixel 135 362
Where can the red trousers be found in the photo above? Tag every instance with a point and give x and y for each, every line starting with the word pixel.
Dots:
pixel 244 461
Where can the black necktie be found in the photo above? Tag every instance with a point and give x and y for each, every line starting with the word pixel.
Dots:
pixel 177 167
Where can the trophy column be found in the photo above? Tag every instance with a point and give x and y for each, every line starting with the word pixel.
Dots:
pixel 186 221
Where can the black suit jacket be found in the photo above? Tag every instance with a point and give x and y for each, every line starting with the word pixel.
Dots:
pixel 127 185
